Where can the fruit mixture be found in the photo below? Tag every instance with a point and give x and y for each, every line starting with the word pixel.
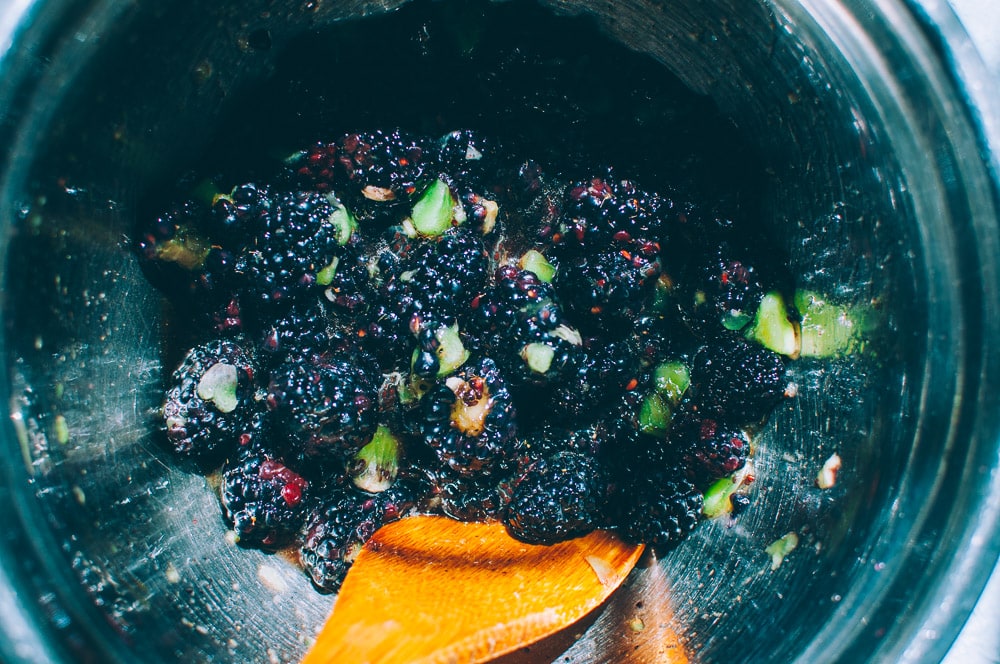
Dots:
pixel 393 324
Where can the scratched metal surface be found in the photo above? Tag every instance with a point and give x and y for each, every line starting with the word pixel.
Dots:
pixel 136 558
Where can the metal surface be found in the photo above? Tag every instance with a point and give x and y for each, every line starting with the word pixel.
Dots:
pixel 876 190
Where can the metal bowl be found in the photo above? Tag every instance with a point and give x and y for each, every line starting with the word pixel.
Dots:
pixel 873 182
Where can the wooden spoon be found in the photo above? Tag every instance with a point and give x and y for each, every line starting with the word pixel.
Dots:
pixel 429 589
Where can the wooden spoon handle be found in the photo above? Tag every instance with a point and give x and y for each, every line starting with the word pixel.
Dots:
pixel 433 590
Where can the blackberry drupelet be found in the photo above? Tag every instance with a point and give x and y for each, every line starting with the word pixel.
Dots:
pixel 559 497
pixel 657 508
pixel 469 420
pixel 210 401
pixel 296 252
pixel 737 381
pixel 263 499
pixel 326 406
pixel 336 530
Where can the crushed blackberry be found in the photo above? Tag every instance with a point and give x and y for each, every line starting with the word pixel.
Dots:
pixel 212 301
pixel 172 241
pixel 739 503
pixel 738 381
pixel 482 213
pixel 559 497
pixel 658 508
pixel 469 420
pixel 336 530
pixel 178 256
pixel 326 406
pixel 210 401
pixel 263 500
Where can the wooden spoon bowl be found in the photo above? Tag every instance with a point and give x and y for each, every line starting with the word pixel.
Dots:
pixel 429 589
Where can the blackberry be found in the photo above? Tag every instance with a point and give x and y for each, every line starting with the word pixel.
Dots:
pixel 551 439
pixel 439 350
pixel 605 290
pixel 469 420
pixel 737 381
pixel 559 497
pixel 440 275
pixel 711 449
pixel 241 215
pixel 428 284
pixel 197 276
pixel 604 371
pixel 335 532
pixel 657 508
pixel 721 291
pixel 326 405
pixel 600 210
pixel 481 499
pixel 210 400
pixel 375 166
pixel 263 499
pixel 519 322
pixel 632 446
pixel 515 294
pixel 482 213
pixel 296 251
